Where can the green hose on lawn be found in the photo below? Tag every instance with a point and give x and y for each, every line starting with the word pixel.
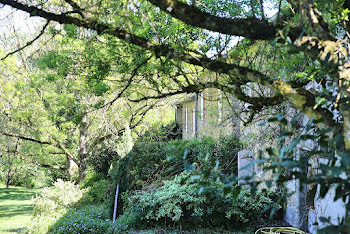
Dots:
pixel 279 230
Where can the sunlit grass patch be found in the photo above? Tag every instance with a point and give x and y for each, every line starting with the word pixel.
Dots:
pixel 15 208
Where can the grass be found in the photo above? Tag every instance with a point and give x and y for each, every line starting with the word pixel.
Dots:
pixel 15 208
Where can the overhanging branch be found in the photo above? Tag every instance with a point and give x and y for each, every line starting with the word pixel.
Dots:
pixel 241 74
pixel 29 42
pixel 26 138
pixel 251 28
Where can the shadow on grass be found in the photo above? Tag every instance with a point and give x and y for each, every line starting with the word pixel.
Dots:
pixel 16 194
pixel 14 210
pixel 17 230
pixel 15 207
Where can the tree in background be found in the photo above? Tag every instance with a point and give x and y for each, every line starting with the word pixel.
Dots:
pixel 58 106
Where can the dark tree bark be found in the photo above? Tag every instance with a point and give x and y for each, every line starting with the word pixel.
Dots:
pixel 8 177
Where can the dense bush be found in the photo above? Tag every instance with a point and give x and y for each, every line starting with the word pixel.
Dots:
pixel 162 133
pixel 102 156
pixel 23 179
pixel 97 193
pixel 92 178
pixel 144 163
pixel 88 219
pixel 137 169
pixel 184 201
pixel 52 203
pixel 223 151
pixel 227 153
pixel 96 189
pixel 150 162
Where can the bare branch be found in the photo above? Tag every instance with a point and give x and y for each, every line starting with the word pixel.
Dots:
pixel 44 165
pixel 29 42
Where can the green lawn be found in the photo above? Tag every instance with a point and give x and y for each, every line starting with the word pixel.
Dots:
pixel 15 208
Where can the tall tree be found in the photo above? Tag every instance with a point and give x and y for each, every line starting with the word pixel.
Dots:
pixel 58 103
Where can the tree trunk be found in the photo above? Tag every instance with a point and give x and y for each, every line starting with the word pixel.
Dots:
pixel 8 177
pixel 71 168
pixel 83 145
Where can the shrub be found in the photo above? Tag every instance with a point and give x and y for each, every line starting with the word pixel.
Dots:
pixel 227 149
pixel 92 178
pixel 145 162
pixel 224 151
pixel 89 219
pixel 52 203
pixel 137 169
pixel 190 149
pixel 152 162
pixel 159 132
pixel 102 156
pixel 186 202
pixel 97 193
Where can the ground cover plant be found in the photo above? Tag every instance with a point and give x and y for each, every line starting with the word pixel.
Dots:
pixel 87 219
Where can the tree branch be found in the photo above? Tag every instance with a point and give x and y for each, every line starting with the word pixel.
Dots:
pixel 133 74
pixel 44 165
pixel 76 8
pixel 298 98
pixel 56 144
pixel 26 138
pixel 251 28
pixel 29 42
